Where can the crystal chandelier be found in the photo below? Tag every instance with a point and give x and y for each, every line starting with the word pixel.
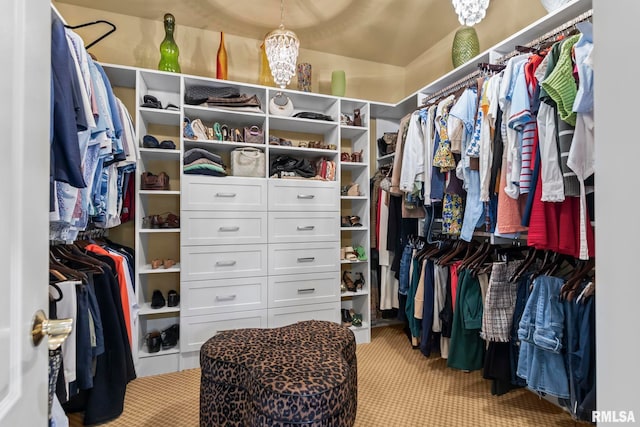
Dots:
pixel 470 12
pixel 282 52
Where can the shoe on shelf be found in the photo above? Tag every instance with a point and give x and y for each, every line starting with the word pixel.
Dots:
pixel 168 263
pixel 153 341
pixel 361 253
pixel 348 281
pixel 156 263
pixel 359 282
pixel 173 299
pixel 346 317
pixel 170 336
pixel 345 221
pixel 350 254
pixel 356 318
pixel 157 299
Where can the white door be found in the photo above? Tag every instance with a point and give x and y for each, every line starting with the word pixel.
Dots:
pixel 25 36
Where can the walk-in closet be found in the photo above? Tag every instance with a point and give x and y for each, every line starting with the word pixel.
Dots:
pixel 469 226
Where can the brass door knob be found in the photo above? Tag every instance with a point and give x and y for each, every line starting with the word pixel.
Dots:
pixel 58 330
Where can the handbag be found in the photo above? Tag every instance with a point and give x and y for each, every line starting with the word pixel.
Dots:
pixel 254 135
pixel 248 162
pixel 385 183
pixel 388 143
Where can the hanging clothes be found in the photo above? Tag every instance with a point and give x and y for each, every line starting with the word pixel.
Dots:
pixel 466 348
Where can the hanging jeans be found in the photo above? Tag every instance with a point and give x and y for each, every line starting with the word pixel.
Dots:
pixel 541 332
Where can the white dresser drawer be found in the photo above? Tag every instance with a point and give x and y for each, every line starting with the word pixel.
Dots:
pixel 297 258
pixel 223 228
pixel 289 315
pixel 223 296
pixel 196 330
pixel 299 289
pixel 223 262
pixel 223 194
pixel 303 227
pixel 306 196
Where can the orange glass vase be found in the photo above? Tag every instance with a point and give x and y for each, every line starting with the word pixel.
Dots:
pixel 221 60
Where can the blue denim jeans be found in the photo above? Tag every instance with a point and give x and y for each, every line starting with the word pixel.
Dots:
pixel 405 267
pixel 541 332
pixel 580 320
pixel 521 301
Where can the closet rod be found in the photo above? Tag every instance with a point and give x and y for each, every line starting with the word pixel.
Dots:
pixel 452 87
pixel 550 35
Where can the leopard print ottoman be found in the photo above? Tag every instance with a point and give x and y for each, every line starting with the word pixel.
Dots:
pixel 303 374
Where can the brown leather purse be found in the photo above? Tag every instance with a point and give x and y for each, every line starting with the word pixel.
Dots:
pixel 149 181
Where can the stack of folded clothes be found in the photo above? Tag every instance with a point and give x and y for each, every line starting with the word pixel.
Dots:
pixel 202 162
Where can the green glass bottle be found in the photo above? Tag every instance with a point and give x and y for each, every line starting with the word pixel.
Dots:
pixel 169 51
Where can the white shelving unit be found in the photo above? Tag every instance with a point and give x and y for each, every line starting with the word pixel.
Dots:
pixel 264 256
pixel 356 139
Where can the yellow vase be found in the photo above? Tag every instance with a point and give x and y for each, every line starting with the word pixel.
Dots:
pixel 265 78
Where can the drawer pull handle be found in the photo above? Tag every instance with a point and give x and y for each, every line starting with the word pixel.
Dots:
pixel 307 259
pixel 306 196
pixel 229 228
pixel 306 228
pixel 301 291
pixel 225 194
pixel 225 297
pixel 225 263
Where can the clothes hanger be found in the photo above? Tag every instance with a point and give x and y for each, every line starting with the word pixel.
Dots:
pixel 87 24
pixel 449 258
pixel 568 289
pixel 528 260
pixel 55 273
pixel 85 262
pixel 467 261
pixel 70 273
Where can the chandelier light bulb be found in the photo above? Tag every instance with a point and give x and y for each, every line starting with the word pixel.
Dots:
pixel 470 12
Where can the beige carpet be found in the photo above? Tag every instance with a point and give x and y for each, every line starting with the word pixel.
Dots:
pixel 397 386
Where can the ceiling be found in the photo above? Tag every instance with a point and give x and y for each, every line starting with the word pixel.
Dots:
pixel 386 31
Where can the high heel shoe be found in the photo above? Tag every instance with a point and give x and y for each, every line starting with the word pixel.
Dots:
pixel 348 281
pixel 359 283
pixel 356 318
pixel 346 317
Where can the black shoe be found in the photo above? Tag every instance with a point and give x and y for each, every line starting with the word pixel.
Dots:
pixel 170 336
pixel 153 340
pixel 173 299
pixel 157 299
pixel 346 317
